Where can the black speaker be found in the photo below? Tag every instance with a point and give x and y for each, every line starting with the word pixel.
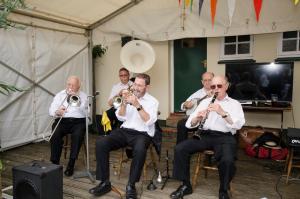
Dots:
pixel 293 137
pixel 38 180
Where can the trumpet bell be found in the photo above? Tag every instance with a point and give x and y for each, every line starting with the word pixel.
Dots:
pixel 74 100
pixel 117 101
pixel 137 56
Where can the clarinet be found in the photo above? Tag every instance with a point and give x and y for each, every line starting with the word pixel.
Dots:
pixel 197 134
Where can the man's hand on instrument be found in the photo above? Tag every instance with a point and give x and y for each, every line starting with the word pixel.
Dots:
pixel 61 111
pixel 188 104
pixel 217 108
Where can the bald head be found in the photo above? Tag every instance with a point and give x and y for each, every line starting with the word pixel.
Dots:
pixel 219 84
pixel 73 84
pixel 206 80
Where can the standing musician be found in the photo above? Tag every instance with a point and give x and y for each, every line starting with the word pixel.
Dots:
pixel 191 103
pixel 72 122
pixel 124 83
pixel 138 112
pixel 222 119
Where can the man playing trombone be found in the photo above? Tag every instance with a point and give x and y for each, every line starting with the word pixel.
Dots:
pixel 219 118
pixel 69 106
pixel 190 105
pixel 138 112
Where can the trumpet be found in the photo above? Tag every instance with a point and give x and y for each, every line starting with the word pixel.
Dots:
pixel 118 100
pixel 72 100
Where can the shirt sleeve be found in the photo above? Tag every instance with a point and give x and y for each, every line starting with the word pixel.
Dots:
pixel 203 104
pixel 57 101
pixel 152 111
pixel 237 116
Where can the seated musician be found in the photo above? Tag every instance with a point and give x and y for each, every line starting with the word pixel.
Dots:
pixel 72 122
pixel 139 114
pixel 124 83
pixel 219 118
pixel 191 103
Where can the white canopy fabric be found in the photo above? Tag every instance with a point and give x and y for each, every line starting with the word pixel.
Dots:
pixel 41 61
pixel 55 42
pixel 156 20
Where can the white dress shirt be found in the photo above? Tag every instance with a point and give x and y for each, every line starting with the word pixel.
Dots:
pixel 215 121
pixel 133 120
pixel 72 111
pixel 118 87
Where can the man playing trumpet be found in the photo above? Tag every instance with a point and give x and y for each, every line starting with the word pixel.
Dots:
pixel 138 112
pixel 223 116
pixel 72 122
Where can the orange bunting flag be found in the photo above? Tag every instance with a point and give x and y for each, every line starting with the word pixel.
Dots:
pixel 187 3
pixel 296 2
pixel 257 6
pixel 213 7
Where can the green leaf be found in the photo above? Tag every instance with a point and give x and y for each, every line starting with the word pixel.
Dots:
pixel 1 166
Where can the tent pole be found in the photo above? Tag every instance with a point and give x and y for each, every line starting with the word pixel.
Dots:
pixel 114 14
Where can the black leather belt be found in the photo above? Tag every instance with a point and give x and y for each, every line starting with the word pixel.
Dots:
pixel 71 120
pixel 213 132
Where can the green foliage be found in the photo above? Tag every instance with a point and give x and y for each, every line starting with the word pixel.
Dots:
pixel 6 89
pixel 6 7
pixel 98 51
pixel 1 167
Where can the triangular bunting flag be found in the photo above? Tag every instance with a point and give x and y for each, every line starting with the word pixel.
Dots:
pixel 213 7
pixel 179 2
pixel 200 6
pixel 296 2
pixel 257 6
pixel 231 7
pixel 191 5
pixel 187 3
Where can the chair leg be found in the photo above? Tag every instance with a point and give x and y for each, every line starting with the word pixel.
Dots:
pixel 197 170
pixel 289 166
pixel 121 163
pixel 66 146
pixel 117 191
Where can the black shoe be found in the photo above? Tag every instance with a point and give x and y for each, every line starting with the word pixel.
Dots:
pixel 69 171
pixel 70 168
pixel 181 191
pixel 101 189
pixel 131 192
pixel 224 195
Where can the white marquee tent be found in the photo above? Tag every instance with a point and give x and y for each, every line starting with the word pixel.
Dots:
pixel 58 38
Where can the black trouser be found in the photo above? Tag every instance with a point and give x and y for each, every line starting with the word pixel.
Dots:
pixel 224 146
pixel 119 138
pixel 111 114
pixel 73 126
pixel 182 131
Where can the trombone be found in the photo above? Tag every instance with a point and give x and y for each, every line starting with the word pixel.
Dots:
pixel 72 100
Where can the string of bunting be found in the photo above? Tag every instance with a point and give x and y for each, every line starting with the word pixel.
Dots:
pixel 231 8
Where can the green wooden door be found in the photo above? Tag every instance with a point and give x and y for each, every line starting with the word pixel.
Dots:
pixel 189 65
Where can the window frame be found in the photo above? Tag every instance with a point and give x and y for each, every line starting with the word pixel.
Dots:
pixel 280 53
pixel 236 56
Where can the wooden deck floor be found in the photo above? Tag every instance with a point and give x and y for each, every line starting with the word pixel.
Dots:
pixel 254 179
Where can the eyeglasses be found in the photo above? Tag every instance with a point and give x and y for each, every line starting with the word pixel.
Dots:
pixel 216 86
pixel 123 75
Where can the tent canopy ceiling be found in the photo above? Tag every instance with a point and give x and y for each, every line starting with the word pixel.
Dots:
pixel 77 12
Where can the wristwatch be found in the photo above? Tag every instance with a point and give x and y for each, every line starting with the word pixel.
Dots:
pixel 225 115
pixel 140 107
